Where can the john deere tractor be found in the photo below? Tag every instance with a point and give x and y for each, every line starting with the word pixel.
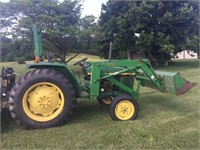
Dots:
pixel 46 96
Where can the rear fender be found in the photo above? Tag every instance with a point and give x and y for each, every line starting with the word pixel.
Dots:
pixel 61 68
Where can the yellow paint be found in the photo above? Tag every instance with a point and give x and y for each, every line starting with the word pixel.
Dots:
pixel 4 83
pixel 121 74
pixel 124 110
pixel 43 101
pixel 107 101
pixel 111 64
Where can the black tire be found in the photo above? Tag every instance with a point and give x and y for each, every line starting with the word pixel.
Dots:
pixel 22 105
pixel 124 103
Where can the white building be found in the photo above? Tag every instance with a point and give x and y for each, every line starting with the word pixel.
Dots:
pixel 186 54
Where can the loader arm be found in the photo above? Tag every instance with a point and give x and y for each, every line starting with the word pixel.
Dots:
pixel 150 74
pixel 102 70
pixel 142 71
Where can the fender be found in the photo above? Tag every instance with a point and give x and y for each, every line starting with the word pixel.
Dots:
pixel 61 68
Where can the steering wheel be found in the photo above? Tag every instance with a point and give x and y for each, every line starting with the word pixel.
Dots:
pixel 80 61
pixel 58 61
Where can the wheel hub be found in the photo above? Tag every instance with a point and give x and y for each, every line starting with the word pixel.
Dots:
pixel 124 110
pixel 43 101
pixel 40 101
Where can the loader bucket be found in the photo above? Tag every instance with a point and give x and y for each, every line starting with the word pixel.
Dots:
pixel 171 82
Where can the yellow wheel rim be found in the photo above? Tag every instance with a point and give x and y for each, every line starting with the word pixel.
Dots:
pixel 43 101
pixel 124 110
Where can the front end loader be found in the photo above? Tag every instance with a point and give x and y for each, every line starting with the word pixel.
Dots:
pixel 46 96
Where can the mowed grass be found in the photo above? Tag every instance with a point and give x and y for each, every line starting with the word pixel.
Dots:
pixel 165 121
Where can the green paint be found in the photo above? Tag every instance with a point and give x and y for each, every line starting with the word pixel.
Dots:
pixel 95 81
pixel 61 68
pixel 120 73
pixel 109 70
pixel 37 42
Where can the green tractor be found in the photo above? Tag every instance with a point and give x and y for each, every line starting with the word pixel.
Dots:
pixel 46 96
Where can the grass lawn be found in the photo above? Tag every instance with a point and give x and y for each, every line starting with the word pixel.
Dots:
pixel 165 121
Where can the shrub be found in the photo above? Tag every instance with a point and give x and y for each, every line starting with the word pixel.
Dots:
pixel 21 61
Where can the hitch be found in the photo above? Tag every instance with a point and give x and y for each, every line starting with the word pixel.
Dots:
pixel 7 82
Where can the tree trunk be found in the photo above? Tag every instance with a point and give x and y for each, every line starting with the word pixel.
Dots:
pixel 129 54
pixel 131 50
pixel 152 59
pixel 63 55
pixel 166 63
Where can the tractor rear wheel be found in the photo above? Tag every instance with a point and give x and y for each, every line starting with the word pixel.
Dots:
pixel 42 98
pixel 123 108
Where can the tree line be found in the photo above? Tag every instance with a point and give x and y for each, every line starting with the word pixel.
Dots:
pixel 156 30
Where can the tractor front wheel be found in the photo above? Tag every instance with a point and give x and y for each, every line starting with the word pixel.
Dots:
pixel 42 98
pixel 124 108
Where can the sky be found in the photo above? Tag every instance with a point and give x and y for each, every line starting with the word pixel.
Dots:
pixel 90 7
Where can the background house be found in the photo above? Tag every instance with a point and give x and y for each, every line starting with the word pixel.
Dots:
pixel 186 54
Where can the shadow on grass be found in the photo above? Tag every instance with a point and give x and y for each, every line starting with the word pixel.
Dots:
pixel 8 124
pixel 87 110
pixel 150 106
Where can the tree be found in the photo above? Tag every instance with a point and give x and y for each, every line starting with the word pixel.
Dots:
pixel 165 27
pixel 87 32
pixel 111 16
pixel 89 35
pixel 59 22
pixel 18 49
